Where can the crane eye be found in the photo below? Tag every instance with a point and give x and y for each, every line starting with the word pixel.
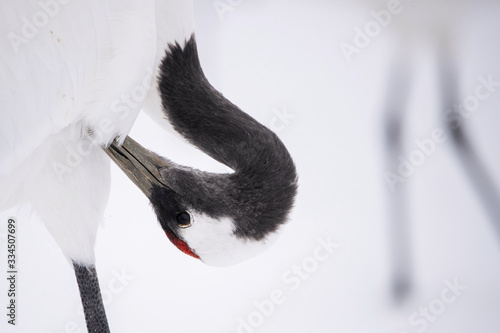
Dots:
pixel 184 219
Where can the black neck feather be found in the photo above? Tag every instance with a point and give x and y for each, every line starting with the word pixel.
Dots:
pixel 265 176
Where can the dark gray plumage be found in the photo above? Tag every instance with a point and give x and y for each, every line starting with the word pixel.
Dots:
pixel 261 191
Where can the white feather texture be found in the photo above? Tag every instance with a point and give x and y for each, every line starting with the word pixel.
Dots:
pixel 73 76
pixel 214 241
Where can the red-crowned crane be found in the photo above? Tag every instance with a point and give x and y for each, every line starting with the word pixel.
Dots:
pixel 74 75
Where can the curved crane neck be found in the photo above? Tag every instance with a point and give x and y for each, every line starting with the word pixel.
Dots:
pixel 264 182
pixel 209 121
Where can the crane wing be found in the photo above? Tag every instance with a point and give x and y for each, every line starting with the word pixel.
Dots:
pixel 78 64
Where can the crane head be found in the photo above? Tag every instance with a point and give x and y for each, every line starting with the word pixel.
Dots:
pixel 221 219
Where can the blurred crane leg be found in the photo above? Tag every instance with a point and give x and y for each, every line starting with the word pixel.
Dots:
pixel 395 108
pixel 474 168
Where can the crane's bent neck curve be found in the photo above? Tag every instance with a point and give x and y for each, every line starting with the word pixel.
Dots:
pixel 265 179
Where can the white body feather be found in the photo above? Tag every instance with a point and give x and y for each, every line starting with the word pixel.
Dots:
pixel 214 241
pixel 89 64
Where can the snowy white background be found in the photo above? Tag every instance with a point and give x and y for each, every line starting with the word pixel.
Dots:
pixel 277 56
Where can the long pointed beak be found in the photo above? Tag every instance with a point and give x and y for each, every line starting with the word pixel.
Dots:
pixel 139 164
